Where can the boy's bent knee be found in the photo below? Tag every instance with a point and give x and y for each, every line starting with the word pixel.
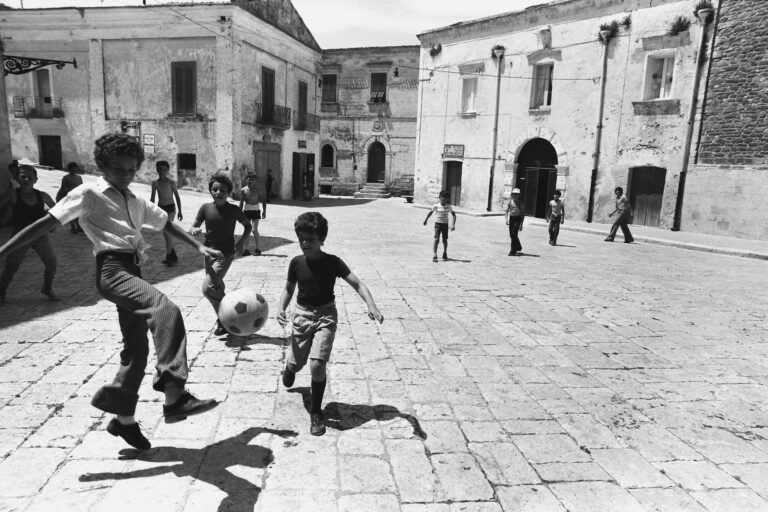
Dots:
pixel 317 369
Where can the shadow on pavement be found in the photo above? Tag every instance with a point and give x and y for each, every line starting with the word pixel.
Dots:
pixel 528 254
pixel 243 342
pixel 208 464
pixel 341 416
pixel 325 202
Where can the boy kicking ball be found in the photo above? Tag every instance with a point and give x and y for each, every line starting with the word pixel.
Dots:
pixel 315 319
pixel 112 217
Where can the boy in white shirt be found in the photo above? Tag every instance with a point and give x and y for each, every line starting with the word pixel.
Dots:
pixel 441 211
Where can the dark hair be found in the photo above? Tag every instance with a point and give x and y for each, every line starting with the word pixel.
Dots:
pixel 220 178
pixel 160 163
pixel 72 165
pixel 312 222
pixel 558 193
pixel 443 193
pixel 619 189
pixel 28 168
pixel 117 144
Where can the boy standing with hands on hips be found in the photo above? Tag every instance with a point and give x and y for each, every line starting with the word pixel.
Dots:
pixel 315 319
pixel 112 217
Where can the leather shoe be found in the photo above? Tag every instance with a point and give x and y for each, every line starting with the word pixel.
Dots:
pixel 220 330
pixel 288 377
pixel 187 405
pixel 317 427
pixel 131 434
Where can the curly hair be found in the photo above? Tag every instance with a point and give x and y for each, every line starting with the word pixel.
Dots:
pixel 117 144
pixel 220 178
pixel 312 222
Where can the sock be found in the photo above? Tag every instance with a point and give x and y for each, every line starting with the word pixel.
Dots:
pixel 318 389
pixel 125 420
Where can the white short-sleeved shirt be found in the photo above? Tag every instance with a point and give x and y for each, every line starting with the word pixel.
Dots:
pixel 110 221
pixel 556 207
pixel 442 212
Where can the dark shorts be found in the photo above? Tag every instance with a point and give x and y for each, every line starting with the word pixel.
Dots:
pixel 169 208
pixel 441 228
pixel 252 214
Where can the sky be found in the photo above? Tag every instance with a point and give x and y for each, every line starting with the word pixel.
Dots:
pixel 348 23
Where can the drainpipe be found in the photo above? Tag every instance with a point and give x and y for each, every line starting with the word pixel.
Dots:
pixel 498 52
pixel 605 40
pixel 704 16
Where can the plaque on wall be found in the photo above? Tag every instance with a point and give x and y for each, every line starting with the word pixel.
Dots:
pixel 302 144
pixel 377 125
pixel 453 151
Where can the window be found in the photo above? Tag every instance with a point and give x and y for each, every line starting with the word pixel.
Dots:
pixel 184 88
pixel 186 161
pixel 329 89
pixel 468 94
pixel 302 102
pixel 378 87
pixel 542 85
pixel 658 77
pixel 268 95
pixel 326 156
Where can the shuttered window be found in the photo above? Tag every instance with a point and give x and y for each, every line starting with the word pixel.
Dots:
pixel 329 88
pixel 378 87
pixel 184 88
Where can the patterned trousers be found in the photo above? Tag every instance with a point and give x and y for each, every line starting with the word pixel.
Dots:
pixel 140 308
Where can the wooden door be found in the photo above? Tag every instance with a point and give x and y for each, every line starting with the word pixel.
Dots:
pixel 50 151
pixel 646 191
pixel 377 157
pixel 299 160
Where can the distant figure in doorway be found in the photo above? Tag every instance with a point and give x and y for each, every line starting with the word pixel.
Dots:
pixel 441 211
pixel 70 181
pixel 268 184
pixel 166 191
pixel 515 215
pixel 625 212
pixel 555 216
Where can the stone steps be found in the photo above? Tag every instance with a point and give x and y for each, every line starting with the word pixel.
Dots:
pixel 373 191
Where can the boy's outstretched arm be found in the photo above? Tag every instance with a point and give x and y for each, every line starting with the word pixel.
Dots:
pixel 182 235
pixel 453 226
pixel 285 299
pixel 29 234
pixel 428 216
pixel 152 196
pixel 365 293
pixel 178 200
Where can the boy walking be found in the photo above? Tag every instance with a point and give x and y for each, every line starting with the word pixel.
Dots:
pixel 70 181
pixel 166 191
pixel 441 209
pixel 515 215
pixel 625 212
pixel 315 319
pixel 555 216
pixel 220 217
pixel 250 197
pixel 29 204
pixel 112 217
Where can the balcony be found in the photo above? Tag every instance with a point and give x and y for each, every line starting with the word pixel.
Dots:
pixel 306 121
pixel 277 116
pixel 38 107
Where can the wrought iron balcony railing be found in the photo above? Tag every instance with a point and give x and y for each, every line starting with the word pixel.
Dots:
pixel 306 121
pixel 277 116
pixel 46 107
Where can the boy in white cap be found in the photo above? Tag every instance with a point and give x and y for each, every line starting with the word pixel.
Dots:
pixel 515 215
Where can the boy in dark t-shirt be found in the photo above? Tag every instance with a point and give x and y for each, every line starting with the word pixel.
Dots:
pixel 315 319
pixel 220 219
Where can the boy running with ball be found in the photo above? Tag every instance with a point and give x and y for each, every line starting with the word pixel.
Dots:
pixel 315 319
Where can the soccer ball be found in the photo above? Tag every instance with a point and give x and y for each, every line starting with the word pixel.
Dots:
pixel 243 312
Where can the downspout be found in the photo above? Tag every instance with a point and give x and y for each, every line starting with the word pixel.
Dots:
pixel 704 16
pixel 498 52
pixel 605 40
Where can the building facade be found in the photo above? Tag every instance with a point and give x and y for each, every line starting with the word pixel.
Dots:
pixel 557 109
pixel 368 116
pixel 728 180
pixel 207 87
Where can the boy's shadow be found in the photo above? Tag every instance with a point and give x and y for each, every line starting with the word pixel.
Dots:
pixel 208 464
pixel 341 416
pixel 458 261
pixel 528 254
pixel 242 342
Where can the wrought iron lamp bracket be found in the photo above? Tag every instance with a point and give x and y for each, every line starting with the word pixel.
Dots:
pixel 15 65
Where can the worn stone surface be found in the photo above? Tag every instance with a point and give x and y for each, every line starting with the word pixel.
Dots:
pixel 610 386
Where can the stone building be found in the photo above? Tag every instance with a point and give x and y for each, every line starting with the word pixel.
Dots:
pixel 545 66
pixel 207 87
pixel 727 183
pixel 368 123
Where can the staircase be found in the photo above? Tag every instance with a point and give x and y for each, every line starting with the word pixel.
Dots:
pixel 373 191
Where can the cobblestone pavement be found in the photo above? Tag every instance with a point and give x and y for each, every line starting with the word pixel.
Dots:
pixel 583 377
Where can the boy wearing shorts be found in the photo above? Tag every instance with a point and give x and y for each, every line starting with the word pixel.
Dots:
pixel 441 209
pixel 250 197
pixel 315 318
pixel 166 191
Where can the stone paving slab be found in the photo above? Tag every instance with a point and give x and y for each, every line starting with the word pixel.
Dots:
pixel 587 376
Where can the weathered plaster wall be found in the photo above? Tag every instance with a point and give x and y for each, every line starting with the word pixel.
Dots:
pixel 629 139
pixel 726 187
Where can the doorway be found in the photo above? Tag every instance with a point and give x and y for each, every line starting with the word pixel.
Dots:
pixel 267 156
pixel 377 156
pixel 452 182
pixel 537 176
pixel 303 185
pixel 646 190
pixel 50 151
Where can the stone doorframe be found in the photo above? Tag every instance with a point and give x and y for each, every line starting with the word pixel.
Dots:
pixel 384 140
pixel 535 132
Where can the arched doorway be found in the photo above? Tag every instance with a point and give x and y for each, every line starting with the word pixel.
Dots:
pixel 537 175
pixel 377 156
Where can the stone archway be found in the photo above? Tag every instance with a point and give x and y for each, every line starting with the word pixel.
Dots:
pixel 536 175
pixel 377 162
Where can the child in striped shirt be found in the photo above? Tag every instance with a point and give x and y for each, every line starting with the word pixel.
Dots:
pixel 441 211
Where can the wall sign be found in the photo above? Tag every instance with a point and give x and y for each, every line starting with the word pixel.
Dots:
pixel 453 151
pixel 149 138
pixel 302 144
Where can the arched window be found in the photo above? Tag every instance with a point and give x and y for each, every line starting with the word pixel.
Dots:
pixel 326 156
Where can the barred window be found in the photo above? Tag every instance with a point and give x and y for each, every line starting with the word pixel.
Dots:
pixel 329 88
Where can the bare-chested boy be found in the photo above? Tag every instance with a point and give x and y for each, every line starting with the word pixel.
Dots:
pixel 166 191
pixel 250 197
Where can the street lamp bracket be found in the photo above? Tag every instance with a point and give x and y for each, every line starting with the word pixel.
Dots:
pixel 15 65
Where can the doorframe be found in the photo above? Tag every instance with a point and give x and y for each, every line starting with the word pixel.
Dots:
pixel 446 161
